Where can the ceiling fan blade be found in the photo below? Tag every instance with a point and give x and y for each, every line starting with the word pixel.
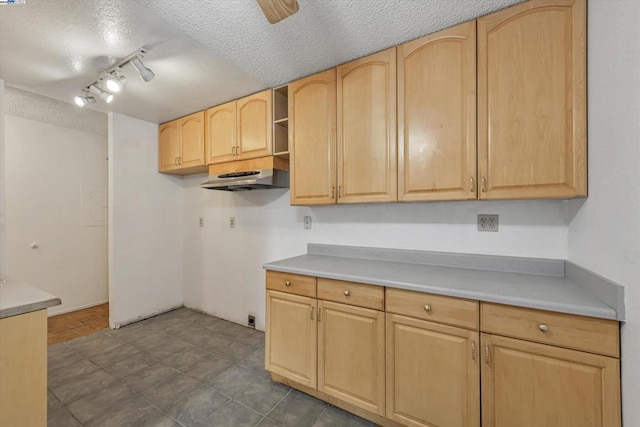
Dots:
pixel 277 10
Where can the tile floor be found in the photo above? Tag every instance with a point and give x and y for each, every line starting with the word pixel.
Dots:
pixel 181 368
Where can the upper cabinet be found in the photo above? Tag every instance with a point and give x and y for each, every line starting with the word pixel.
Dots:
pixel 532 101
pixel 494 108
pixel 254 125
pixel 366 113
pixel 437 116
pixel 220 129
pixel 169 146
pixel 239 129
pixel 312 143
pixel 182 145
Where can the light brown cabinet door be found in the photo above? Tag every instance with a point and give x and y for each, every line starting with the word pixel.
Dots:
pixel 220 132
pixel 532 101
pixel 351 355
pixel 367 129
pixel 437 116
pixel 23 370
pixel 192 135
pixel 254 125
pixel 312 144
pixel 433 374
pixel 535 385
pixel 169 146
pixel 291 337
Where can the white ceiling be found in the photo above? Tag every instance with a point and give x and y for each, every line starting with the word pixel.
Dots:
pixel 203 52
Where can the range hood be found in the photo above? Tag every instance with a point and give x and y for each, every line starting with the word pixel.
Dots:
pixel 248 180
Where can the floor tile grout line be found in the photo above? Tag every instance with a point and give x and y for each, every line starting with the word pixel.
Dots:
pixel 250 366
pixel 279 402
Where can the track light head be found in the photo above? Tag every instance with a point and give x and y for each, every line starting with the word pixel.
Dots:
pixel 105 96
pixel 145 73
pixel 82 100
pixel 114 82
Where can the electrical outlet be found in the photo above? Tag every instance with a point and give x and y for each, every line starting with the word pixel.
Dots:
pixel 251 321
pixel 232 222
pixel 307 223
pixel 201 222
pixel 487 222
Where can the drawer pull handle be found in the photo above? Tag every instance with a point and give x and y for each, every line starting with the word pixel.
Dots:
pixel 287 284
pixel 427 308
pixel 347 293
pixel 544 328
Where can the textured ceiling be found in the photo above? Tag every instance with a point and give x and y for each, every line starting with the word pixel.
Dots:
pixel 323 33
pixel 203 53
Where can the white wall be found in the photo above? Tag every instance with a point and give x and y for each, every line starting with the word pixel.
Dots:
pixel 604 232
pixel 2 184
pixel 46 168
pixel 145 225
pixel 223 266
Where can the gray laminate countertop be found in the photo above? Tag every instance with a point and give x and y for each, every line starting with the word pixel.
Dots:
pixel 546 291
pixel 19 298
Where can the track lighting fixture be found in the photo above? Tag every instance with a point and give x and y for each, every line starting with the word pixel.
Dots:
pixel 105 96
pixel 112 81
pixel 82 100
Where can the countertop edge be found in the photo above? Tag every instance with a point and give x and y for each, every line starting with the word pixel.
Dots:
pixel 608 313
pixel 28 308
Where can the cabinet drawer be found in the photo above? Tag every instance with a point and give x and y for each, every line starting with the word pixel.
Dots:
pixel 351 293
pixel 436 308
pixel 291 283
pixel 559 329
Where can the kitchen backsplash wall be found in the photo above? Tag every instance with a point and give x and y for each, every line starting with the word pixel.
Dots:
pixel 223 271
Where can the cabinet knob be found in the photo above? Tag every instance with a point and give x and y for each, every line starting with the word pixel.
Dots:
pixel 427 308
pixel 287 284
pixel 544 328
pixel 347 293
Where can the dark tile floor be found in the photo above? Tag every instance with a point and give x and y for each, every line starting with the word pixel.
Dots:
pixel 182 368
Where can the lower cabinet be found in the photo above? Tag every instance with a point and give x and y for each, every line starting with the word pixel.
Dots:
pixel 335 348
pixel 291 338
pixel 433 376
pixel 351 354
pixel 409 358
pixel 23 370
pixel 528 384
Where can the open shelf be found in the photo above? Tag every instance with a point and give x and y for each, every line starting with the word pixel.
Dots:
pixel 281 121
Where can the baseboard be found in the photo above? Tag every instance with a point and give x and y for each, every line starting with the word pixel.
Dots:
pixel 117 325
pixel 53 312
pixel 199 310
